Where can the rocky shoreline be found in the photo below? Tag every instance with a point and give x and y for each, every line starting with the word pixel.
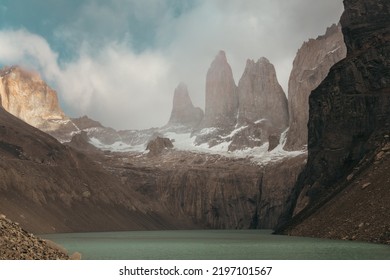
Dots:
pixel 18 244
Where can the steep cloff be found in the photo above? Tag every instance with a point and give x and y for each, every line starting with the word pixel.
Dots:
pixel 25 95
pixel 349 117
pixel 212 191
pixel 221 94
pixel 184 114
pixel 310 67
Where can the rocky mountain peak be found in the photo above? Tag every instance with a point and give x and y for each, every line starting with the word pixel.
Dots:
pixel 220 57
pixel 183 111
pixel 24 94
pixel 261 96
pixel 86 122
pixel 263 60
pixel 221 94
pixel 250 63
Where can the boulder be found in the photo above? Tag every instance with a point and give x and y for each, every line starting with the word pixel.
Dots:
pixel 158 145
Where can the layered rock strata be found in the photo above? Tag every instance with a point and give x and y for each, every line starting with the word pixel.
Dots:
pixel 213 191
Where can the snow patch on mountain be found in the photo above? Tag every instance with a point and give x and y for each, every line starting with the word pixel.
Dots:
pixel 186 142
pixel 118 146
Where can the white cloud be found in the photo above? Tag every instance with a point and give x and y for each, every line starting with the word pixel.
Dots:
pixel 22 47
pixel 119 88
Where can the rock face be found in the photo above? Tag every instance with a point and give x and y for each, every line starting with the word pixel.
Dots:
pixel 214 191
pixel 350 111
pixel 221 94
pixel 183 111
pixel 25 95
pixel 229 195
pixel 260 95
pixel 365 24
pixel 311 65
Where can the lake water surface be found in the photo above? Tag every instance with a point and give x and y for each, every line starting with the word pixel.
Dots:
pixel 213 244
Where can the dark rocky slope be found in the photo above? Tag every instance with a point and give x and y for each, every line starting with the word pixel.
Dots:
pixel 361 210
pixel 349 122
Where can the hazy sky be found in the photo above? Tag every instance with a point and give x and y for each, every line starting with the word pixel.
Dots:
pixel 119 61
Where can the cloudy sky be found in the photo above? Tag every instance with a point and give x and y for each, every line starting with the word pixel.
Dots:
pixel 119 61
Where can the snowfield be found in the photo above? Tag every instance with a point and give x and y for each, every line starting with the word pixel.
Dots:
pixel 184 142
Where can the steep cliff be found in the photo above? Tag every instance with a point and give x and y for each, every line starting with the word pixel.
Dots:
pixel 310 67
pixel 213 191
pixel 349 118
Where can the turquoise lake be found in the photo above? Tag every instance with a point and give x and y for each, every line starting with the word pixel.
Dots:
pixel 213 245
